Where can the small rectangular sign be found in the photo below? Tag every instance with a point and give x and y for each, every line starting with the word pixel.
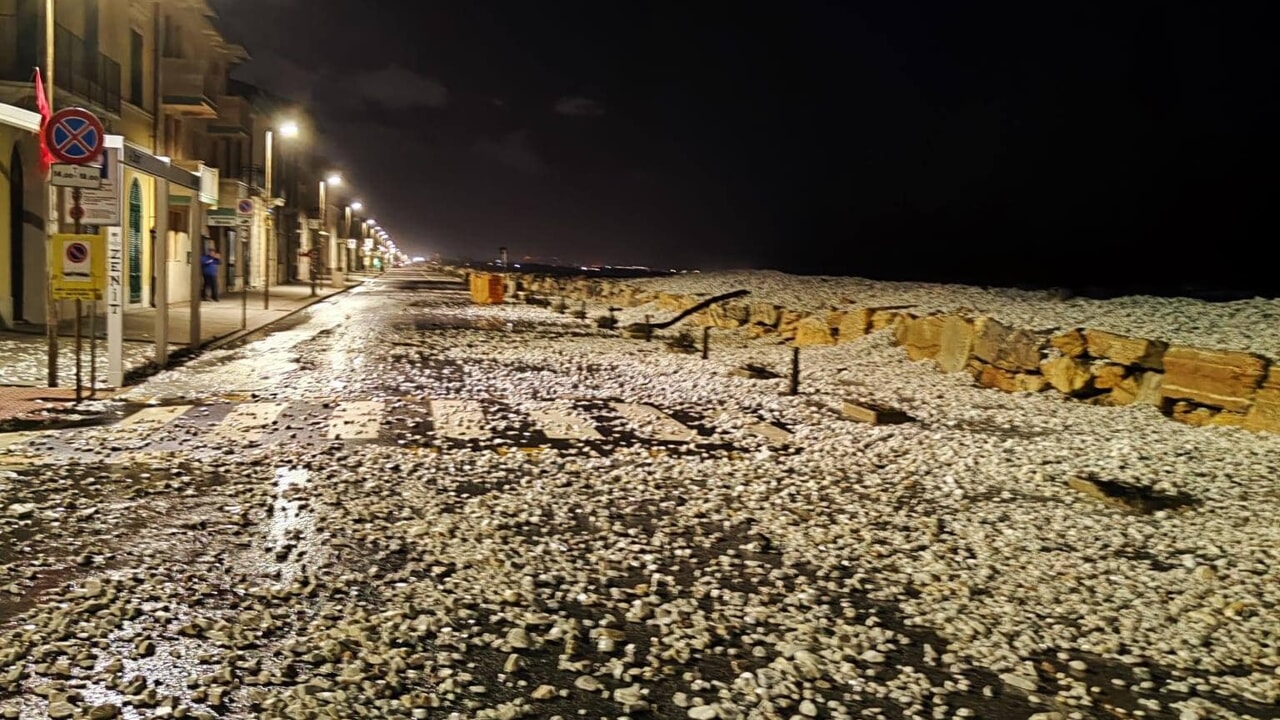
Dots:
pixel 75 176
pixel 79 268
pixel 221 220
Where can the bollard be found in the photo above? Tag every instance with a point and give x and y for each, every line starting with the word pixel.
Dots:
pixel 795 372
pixel 706 336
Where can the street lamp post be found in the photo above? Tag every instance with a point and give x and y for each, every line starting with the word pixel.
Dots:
pixel 333 179
pixel 287 130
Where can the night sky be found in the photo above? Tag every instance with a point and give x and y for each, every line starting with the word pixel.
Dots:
pixel 1058 143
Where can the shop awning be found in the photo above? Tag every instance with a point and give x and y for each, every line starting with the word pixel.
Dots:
pixel 15 116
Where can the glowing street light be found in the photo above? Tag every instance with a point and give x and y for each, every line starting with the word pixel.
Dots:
pixel 357 206
pixel 289 129
pixel 334 179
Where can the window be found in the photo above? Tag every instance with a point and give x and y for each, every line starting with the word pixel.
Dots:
pixel 135 67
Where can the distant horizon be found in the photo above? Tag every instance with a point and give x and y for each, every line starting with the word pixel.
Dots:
pixel 1086 288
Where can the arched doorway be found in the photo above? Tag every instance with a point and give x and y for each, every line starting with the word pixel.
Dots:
pixel 17 211
pixel 135 242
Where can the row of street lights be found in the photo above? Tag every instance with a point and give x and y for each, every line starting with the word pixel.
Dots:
pixel 346 261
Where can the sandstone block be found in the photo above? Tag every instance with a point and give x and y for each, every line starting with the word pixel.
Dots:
pixel 994 377
pixel 1216 378
pixel 1067 375
pixel 1136 352
pixel 881 319
pixel 765 314
pixel 1265 413
pixel 788 321
pixel 873 413
pixel 854 324
pixel 1005 347
pixel 1107 376
pixel 955 344
pixel 1070 343
pixel 813 331
pixel 922 337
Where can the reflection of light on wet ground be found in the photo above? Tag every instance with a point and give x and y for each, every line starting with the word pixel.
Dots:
pixel 291 527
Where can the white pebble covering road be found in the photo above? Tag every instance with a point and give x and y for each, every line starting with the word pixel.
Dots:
pixel 1247 325
pixel 840 574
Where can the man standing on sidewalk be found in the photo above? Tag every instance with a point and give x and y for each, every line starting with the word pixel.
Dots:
pixel 209 264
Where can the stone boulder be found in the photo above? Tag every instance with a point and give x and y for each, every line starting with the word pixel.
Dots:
pixel 1005 347
pixel 1068 375
pixel 1107 376
pixel 813 331
pixel 1070 343
pixel 1121 350
pixel 955 344
pixel 1140 388
pixel 1265 413
pixel 764 314
pixel 788 322
pixel 883 318
pixel 854 324
pixel 921 336
pixel 994 377
pixel 1214 378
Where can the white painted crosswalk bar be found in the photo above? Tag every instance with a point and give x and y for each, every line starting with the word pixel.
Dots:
pixel 18 439
pixel 356 420
pixel 652 423
pixel 561 423
pixel 153 417
pixel 458 419
pixel 769 432
pixel 249 422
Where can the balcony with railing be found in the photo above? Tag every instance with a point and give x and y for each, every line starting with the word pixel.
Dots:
pixel 185 89
pixel 235 117
pixel 82 71
pixel 93 78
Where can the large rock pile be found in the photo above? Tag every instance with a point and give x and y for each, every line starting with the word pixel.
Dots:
pixel 1199 386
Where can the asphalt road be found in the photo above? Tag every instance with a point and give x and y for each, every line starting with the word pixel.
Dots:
pixel 399 504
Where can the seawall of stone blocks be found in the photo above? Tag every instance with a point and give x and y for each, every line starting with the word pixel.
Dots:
pixel 1200 386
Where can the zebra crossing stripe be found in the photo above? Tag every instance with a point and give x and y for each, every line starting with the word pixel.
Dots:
pixel 770 432
pixel 356 420
pixel 16 440
pixel 655 424
pixel 561 423
pixel 458 419
pixel 248 423
pixel 153 417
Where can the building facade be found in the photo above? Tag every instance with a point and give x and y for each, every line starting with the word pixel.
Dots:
pixel 153 72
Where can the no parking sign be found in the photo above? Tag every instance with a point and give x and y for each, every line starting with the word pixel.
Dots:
pixel 79 271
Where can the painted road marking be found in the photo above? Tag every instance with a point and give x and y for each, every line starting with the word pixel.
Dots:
pixel 558 422
pixel 356 420
pixel 153 417
pixel 655 424
pixel 248 423
pixel 458 419
pixel 18 439
pixel 769 432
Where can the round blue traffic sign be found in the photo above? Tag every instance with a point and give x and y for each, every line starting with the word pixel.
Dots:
pixel 245 206
pixel 75 136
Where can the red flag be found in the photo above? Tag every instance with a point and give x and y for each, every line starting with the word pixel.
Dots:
pixel 42 104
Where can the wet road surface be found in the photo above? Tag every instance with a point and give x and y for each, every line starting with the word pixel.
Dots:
pixel 404 505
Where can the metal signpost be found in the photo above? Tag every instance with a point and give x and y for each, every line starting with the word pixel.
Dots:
pixel 244 231
pixel 75 137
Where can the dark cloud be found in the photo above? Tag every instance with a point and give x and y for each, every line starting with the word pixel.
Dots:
pixel 579 107
pixel 513 150
pixel 397 88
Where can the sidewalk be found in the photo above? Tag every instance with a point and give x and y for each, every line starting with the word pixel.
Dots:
pixel 24 352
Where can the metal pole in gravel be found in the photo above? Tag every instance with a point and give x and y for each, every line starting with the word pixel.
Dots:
pixel 795 372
